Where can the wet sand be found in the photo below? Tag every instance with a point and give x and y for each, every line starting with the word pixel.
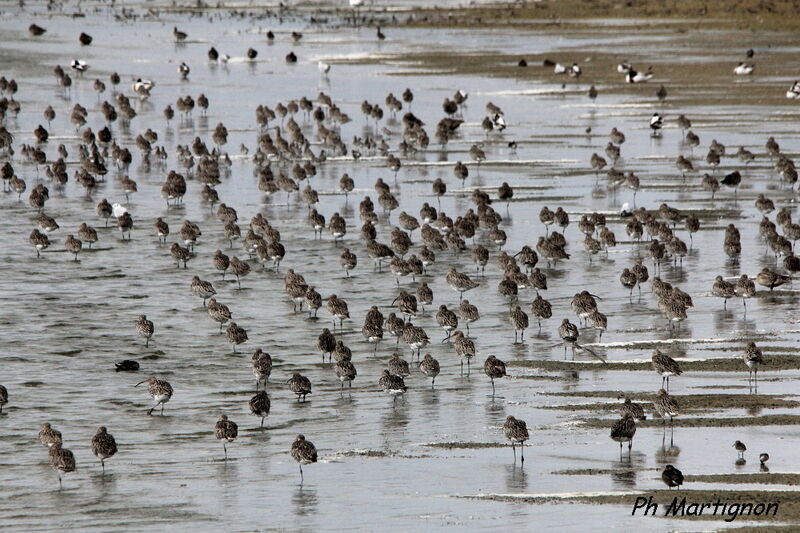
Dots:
pixel 423 462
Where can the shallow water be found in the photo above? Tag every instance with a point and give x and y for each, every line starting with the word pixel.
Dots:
pixel 65 323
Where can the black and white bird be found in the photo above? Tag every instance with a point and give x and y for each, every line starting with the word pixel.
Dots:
pixel 574 71
pixel 142 85
pixel 498 122
pixel 656 123
pixel 794 91
pixel 183 70
pixel 744 69
pixel 79 65
pixel 633 76
pixel 323 67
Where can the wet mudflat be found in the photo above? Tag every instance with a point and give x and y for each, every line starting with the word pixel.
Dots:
pixel 438 460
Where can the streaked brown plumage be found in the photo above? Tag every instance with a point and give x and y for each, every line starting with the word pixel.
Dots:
pixel 159 390
pixel 202 289
pixel 103 445
pixel 62 460
pixel 226 431
pixel 299 385
pixel 345 372
pixel 392 384
pixel 145 328
pixel 495 369
pixel 260 405
pixel 516 431
pixel 235 335
pixel 459 281
pixel 753 358
pixel 49 435
pixel 430 367
pixel 239 269
pixel 262 367
pixel 665 405
pixel 633 409
pixel 623 430
pixel 519 321
pixel 304 452
pixel 464 347
pixel 666 366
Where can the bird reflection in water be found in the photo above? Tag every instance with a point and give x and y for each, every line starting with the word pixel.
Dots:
pixel 667 454
pixel 516 478
pixel 304 501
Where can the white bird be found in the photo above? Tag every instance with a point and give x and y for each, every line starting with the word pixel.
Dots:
pixel 183 70
pixel 356 3
pixel 79 65
pixel 559 69
pixel 142 85
pixel 656 122
pixel 625 210
pixel 744 69
pixel 224 58
pixel 323 67
pixel 118 210
pixel 794 91
pixel 639 77
pixel 624 67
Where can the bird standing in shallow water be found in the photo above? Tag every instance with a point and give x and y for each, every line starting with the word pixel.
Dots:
pixel 569 335
pixel 753 359
pixel 392 384
pixel 299 385
pixel 460 282
pixel 260 405
pixel 304 452
pixel 666 366
pixel 740 448
pixel 103 445
pixel 656 123
pixel 495 369
pixel 145 328
pixel 202 289
pixel 666 406
pixel 62 460
pixel 235 335
pixel 160 390
pixel 226 431
pixel 519 321
pixel 430 367
pixel 623 430
pixel 262 367
pixel 465 348
pixel 516 431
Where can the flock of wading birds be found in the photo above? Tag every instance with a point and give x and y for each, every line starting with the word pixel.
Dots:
pixel 286 147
